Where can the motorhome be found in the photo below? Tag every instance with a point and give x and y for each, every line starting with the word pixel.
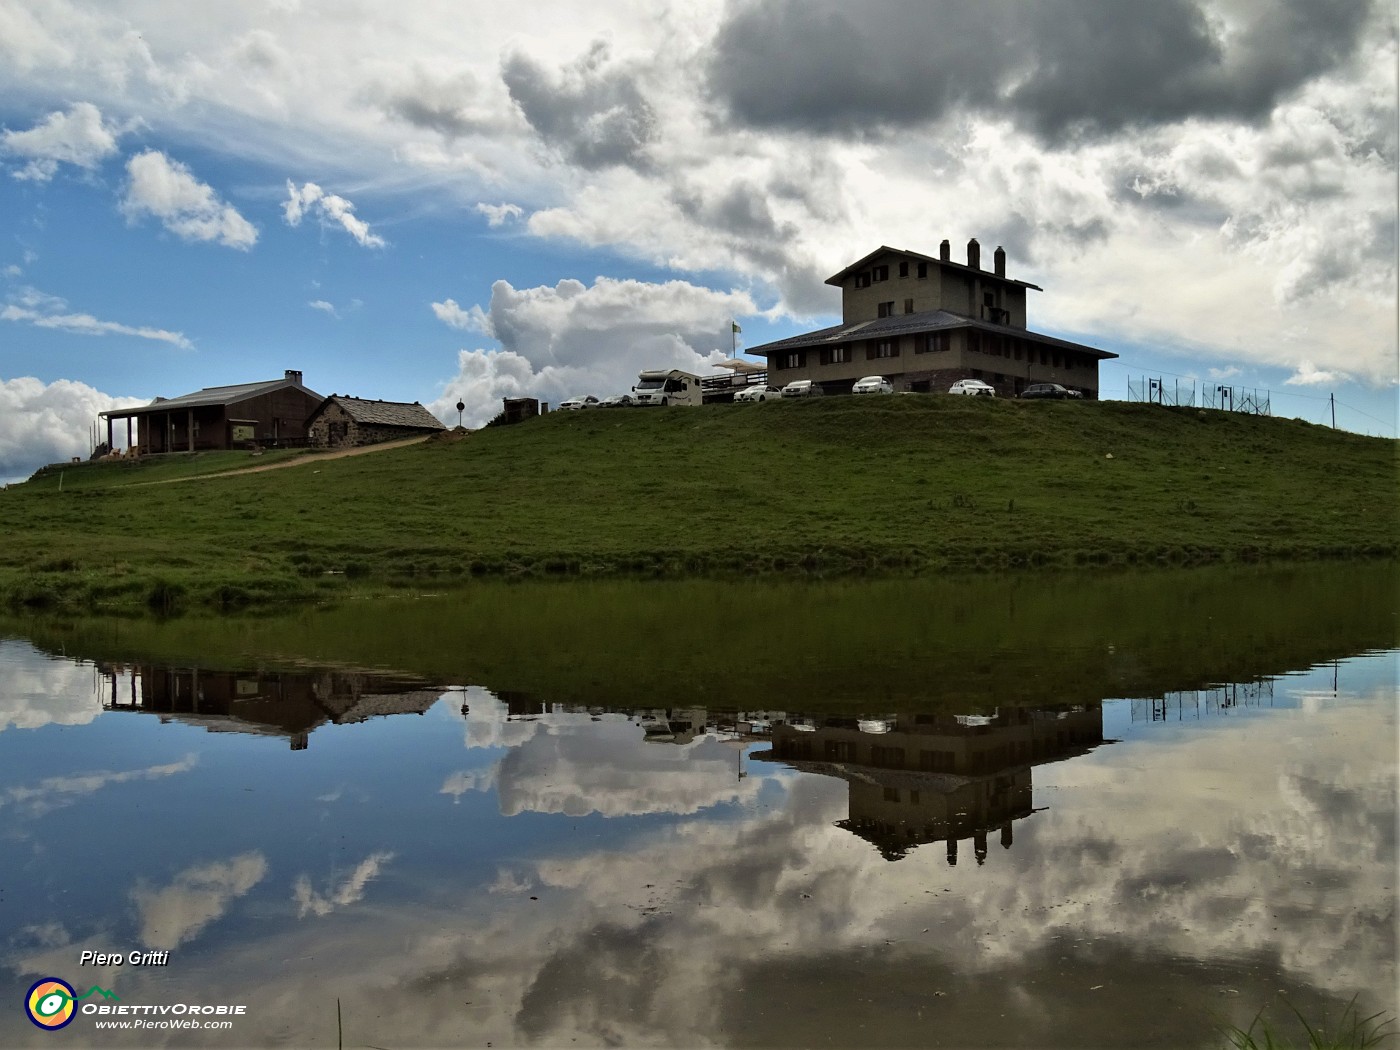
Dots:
pixel 667 387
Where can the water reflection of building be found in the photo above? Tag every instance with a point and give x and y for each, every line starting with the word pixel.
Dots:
pixel 1201 703
pixel 922 778
pixel 274 703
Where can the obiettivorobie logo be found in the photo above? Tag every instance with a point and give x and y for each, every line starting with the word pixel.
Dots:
pixel 52 1003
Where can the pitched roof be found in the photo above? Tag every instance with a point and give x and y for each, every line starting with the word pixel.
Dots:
pixel 382 413
pixel 214 395
pixel 914 324
pixel 837 278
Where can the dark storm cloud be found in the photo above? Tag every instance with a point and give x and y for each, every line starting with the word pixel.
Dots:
pixel 595 116
pixel 452 106
pixel 1057 67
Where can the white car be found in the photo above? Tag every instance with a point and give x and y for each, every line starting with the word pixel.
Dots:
pixel 803 388
pixel 619 401
pixel 576 403
pixel 873 385
pixel 757 392
pixel 973 387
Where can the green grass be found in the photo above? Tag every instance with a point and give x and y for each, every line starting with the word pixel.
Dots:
pixel 840 485
pixel 1350 1032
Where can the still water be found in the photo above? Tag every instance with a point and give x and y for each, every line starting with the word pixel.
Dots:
pixel 1038 817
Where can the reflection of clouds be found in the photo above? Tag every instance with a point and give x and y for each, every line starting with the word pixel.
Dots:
pixel 195 898
pixel 487 725
pixel 459 784
pixel 39 690
pixel 350 890
pixel 600 767
pixel 54 792
pixel 1253 841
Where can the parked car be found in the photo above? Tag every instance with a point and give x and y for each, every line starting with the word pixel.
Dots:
pixel 973 388
pixel 1046 390
pixel 757 392
pixel 803 388
pixel 619 401
pixel 582 401
pixel 873 385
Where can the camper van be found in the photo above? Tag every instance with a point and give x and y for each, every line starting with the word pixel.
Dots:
pixel 663 387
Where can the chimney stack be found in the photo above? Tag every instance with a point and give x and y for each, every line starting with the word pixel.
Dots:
pixel 945 251
pixel 974 254
pixel 999 261
pixel 293 375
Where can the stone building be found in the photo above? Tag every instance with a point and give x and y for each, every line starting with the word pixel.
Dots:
pixel 347 422
pixel 925 322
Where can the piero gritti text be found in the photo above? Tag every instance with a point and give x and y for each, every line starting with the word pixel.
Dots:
pixel 124 959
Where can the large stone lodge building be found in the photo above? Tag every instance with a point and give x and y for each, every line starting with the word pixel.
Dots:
pixel 925 322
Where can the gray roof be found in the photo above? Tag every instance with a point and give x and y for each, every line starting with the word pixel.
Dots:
pixel 383 413
pixel 913 324
pixel 838 278
pixel 213 395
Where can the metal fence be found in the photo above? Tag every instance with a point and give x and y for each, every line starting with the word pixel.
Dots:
pixel 1191 704
pixel 1154 390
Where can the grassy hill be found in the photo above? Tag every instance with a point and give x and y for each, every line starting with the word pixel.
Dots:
pixel 832 485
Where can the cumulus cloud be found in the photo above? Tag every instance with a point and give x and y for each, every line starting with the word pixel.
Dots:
pixel 324 307
pixel 1307 374
pixel 48 422
pixel 330 209
pixel 499 214
pixel 31 306
pixel 166 190
pixel 56 792
pixel 574 338
pixel 594 113
pixel 1058 67
pixel 350 889
pixel 79 137
pixel 197 896
pixel 41 691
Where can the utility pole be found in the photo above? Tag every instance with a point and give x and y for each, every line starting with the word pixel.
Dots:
pixel 1332 400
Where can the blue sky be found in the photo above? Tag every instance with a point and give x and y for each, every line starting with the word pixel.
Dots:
pixel 452 200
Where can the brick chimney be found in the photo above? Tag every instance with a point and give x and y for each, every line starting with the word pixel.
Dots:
pixel 974 254
pixel 945 251
pixel 999 261
pixel 293 376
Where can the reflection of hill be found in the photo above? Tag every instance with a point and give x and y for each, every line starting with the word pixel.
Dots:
pixel 929 777
pixel 949 644
pixel 278 703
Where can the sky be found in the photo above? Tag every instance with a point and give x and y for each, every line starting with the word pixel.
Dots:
pixel 446 201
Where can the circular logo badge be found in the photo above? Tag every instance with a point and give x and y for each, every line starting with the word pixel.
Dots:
pixel 49 1003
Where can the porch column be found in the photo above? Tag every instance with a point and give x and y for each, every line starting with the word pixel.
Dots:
pixel 189 429
pixel 128 435
pixel 109 433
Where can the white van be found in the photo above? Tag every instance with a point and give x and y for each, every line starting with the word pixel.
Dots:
pixel 667 387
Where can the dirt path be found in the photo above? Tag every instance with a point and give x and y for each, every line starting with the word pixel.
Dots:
pixel 299 461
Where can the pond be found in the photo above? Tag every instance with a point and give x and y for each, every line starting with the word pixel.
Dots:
pixel 1041 811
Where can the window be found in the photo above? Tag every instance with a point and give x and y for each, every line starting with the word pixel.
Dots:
pixel 880 273
pixel 883 348
pixel 908 306
pixel 904 269
pixel 863 280
pixel 935 342
pixel 835 355
pixel 885 309
pixel 923 271
pixel 974 342
pixel 796 360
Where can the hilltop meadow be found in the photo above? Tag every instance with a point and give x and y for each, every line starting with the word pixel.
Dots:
pixel 892 485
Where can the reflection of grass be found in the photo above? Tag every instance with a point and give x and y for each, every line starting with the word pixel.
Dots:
pixel 834 486
pixel 1351 1032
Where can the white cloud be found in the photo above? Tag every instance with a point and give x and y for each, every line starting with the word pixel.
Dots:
pixel 350 890
pixel 79 137
pixel 324 307
pixel 13 270
pixel 41 691
pixel 452 315
pixel 188 208
pixel 499 214
pixel 1224 373
pixel 31 306
pixel 574 339
pixel 48 422
pixel 55 792
pixel 1307 374
pixel 196 897
pixel 331 210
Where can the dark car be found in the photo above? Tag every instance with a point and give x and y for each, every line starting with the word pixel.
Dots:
pixel 1046 390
